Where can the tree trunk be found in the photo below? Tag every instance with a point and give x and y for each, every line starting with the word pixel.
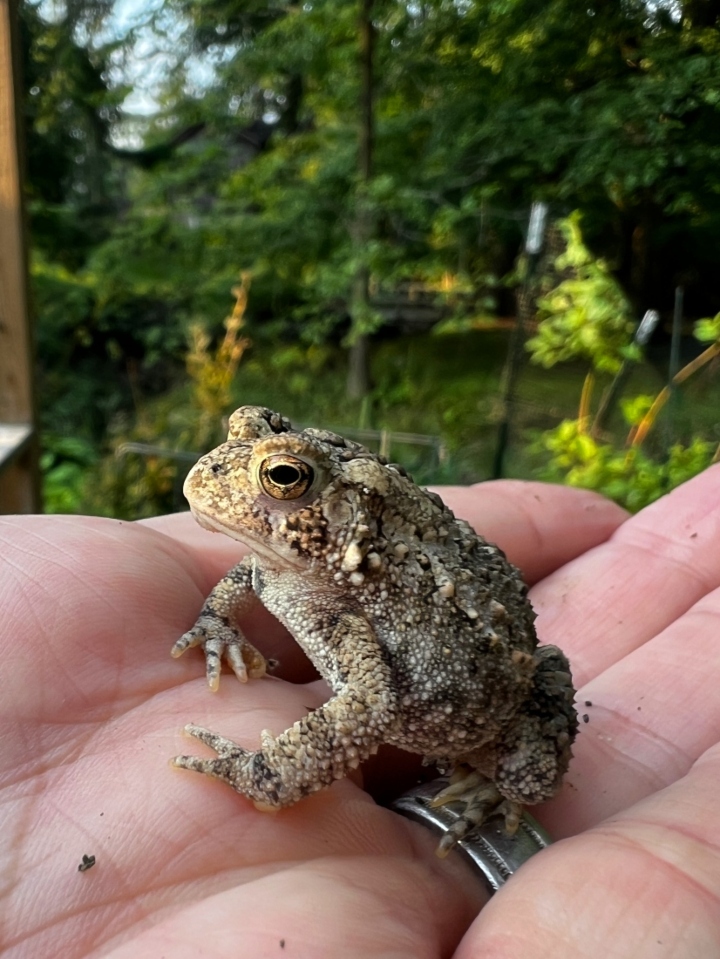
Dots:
pixel 358 380
pixel 358 374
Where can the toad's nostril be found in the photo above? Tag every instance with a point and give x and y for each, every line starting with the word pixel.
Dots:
pixel 216 468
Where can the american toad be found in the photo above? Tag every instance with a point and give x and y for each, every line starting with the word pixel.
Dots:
pixel 421 627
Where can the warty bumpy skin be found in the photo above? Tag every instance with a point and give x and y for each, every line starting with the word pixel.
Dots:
pixel 421 627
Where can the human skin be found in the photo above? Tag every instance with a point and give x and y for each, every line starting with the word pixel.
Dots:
pixel 92 707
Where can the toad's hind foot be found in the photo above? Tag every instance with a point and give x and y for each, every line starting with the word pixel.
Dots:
pixel 480 799
pixel 229 761
pixel 246 771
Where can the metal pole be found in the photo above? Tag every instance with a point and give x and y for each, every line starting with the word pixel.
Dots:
pixel 607 404
pixel 533 247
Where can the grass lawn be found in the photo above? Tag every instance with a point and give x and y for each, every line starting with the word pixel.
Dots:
pixel 447 387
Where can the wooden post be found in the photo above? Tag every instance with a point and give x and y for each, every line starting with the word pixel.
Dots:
pixel 19 487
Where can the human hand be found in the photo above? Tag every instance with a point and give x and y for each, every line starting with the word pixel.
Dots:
pixel 638 874
pixel 92 707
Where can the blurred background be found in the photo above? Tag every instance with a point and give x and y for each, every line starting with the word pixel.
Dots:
pixel 435 227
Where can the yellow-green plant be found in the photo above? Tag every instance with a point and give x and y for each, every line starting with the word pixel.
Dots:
pixel 587 317
pixel 212 371
pixel 629 475
pixel 134 483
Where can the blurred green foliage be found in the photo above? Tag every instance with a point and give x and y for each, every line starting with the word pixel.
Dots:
pixel 141 226
pixel 629 476
pixel 585 317
pixel 443 386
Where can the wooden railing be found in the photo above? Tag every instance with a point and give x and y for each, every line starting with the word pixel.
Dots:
pixel 19 486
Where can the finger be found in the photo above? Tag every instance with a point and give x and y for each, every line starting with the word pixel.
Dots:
pixel 196 840
pixel 318 909
pixel 650 716
pixel 646 883
pixel 212 555
pixel 540 526
pixel 91 607
pixel 214 552
pixel 614 598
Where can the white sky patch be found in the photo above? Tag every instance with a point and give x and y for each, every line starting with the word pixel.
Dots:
pixel 146 66
pixel 673 6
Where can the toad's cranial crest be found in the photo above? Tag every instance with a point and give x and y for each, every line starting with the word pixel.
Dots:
pixel 421 627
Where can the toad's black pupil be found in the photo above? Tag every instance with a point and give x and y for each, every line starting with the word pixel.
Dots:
pixel 284 475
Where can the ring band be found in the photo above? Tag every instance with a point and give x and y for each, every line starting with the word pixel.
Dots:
pixel 489 847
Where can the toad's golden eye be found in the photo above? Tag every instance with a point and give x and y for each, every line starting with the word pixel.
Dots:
pixel 285 477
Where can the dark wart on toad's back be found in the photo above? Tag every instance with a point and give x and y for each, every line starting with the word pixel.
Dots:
pixel 421 627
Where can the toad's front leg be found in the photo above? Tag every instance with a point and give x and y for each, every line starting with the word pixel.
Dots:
pixel 218 632
pixel 321 747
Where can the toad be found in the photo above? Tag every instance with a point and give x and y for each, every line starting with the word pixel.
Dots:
pixel 422 628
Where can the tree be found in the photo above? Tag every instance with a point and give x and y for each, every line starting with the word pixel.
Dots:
pixel 251 161
pixel 358 384
pixel 70 110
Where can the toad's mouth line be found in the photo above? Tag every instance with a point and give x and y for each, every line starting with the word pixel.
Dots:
pixel 257 547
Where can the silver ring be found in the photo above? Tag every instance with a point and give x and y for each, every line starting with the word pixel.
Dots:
pixel 488 847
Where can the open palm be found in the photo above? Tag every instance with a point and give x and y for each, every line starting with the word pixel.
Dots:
pixel 92 707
